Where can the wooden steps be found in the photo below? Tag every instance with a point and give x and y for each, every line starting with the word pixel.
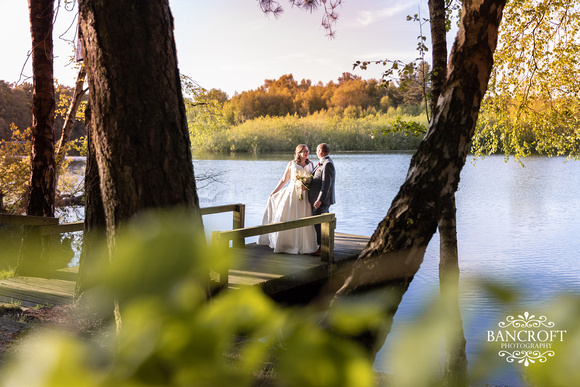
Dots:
pixel 31 292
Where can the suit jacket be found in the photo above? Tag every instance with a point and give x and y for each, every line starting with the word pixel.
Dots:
pixel 322 185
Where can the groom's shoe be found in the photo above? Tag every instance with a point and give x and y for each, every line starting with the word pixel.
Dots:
pixel 316 253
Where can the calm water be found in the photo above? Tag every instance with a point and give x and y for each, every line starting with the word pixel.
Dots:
pixel 516 225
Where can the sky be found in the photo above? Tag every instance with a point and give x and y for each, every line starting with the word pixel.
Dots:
pixel 231 45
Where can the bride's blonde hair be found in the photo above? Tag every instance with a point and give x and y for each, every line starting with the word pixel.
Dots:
pixel 299 150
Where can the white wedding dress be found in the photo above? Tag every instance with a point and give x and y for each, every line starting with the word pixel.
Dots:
pixel 285 205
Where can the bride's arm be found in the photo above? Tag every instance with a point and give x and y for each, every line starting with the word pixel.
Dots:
pixel 283 180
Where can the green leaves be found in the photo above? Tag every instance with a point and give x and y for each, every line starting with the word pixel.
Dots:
pixel 533 99
pixel 413 128
pixel 172 335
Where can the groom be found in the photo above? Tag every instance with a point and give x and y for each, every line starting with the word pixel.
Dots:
pixel 321 190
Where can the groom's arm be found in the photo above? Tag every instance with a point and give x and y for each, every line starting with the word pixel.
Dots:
pixel 327 178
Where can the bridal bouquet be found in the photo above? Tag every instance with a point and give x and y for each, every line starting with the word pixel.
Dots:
pixel 303 181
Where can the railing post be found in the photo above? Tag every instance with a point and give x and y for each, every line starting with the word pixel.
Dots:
pixel 239 222
pixel 217 240
pixel 327 240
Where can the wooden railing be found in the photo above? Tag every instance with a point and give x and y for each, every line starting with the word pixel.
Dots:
pixel 239 217
pixel 46 225
pixel 25 220
pixel 50 226
pixel 327 224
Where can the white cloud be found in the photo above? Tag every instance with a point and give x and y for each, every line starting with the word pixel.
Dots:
pixel 365 18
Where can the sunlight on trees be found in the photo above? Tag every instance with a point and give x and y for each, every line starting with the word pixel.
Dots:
pixel 14 169
pixel 533 102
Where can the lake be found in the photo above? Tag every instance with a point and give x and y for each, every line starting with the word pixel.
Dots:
pixel 517 225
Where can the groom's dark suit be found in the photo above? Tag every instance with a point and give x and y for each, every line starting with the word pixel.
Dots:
pixel 322 188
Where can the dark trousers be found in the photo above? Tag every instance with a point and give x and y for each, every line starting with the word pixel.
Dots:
pixel 319 211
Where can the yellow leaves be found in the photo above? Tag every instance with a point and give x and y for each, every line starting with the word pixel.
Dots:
pixel 537 50
pixel 533 99
pixel 64 96
pixel 14 167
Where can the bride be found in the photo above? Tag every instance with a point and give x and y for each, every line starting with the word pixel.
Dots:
pixel 291 203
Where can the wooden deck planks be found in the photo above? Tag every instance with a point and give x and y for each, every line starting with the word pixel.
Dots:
pixel 258 265
pixel 30 292
pixel 255 265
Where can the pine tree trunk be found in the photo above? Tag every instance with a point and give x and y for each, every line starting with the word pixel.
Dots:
pixel 140 136
pixel 95 224
pixel 42 174
pixel 395 251
pixel 33 257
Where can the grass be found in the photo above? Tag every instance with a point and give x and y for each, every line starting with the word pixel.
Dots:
pixel 7 273
pixel 343 132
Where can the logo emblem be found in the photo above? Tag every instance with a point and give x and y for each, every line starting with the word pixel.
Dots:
pixel 526 338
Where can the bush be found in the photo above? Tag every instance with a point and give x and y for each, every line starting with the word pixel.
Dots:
pixel 172 336
pixel 348 130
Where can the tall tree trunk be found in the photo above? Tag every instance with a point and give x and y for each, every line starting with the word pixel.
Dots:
pixel 395 252
pixel 139 124
pixel 95 223
pixel 138 113
pixel 33 259
pixel 439 49
pixel 42 173
pixel 455 373
pixel 69 121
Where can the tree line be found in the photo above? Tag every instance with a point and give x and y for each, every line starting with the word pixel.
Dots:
pixel 286 96
pixel 275 98
pixel 16 108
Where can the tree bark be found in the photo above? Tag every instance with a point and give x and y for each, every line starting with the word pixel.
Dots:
pixel 455 373
pixel 395 251
pixel 33 257
pixel 439 48
pixel 138 114
pixel 42 173
pixel 95 222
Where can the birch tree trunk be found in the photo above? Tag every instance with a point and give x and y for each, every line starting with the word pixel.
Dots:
pixel 439 49
pixel 455 372
pixel 395 251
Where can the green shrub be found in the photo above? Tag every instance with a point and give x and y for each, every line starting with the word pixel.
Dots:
pixel 350 130
pixel 172 336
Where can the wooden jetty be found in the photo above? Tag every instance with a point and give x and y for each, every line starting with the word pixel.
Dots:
pixel 254 265
pixel 31 292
